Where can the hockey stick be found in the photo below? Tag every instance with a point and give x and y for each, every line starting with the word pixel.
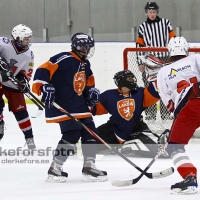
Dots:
pixel 119 183
pixel 155 175
pixel 32 97
pixel 7 68
pixel 80 153
pixel 149 131
pixel 155 134
pixel 40 107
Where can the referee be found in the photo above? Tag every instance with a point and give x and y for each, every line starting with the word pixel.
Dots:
pixel 154 32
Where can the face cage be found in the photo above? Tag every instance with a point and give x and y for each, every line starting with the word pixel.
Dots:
pixel 90 53
pixel 130 85
pixel 85 57
pixel 20 42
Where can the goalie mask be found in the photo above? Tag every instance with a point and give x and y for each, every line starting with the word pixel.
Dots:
pixel 22 36
pixel 120 79
pixel 83 45
pixel 178 46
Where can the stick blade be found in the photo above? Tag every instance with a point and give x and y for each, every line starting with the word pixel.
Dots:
pixel 37 114
pixel 119 183
pixel 163 173
pixel 156 175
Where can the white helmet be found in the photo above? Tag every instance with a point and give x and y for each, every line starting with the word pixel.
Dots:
pixel 178 46
pixel 21 31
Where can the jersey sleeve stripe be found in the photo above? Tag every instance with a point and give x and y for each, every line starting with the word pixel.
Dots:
pixel 172 34
pixel 90 81
pixel 100 109
pixel 140 41
pixel 61 118
pixel 50 67
pixel 149 99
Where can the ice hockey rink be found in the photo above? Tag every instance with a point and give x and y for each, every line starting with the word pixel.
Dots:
pixel 23 177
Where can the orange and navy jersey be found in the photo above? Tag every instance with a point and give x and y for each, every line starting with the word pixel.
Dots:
pixel 125 109
pixel 71 78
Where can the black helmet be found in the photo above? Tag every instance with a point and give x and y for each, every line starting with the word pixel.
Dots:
pixel 151 6
pixel 120 80
pixel 81 42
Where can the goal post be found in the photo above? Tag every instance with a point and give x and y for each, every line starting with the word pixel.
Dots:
pixel 156 117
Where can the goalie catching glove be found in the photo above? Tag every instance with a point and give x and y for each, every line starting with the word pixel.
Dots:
pixel 152 66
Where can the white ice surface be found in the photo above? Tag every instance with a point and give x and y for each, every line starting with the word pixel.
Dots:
pixel 27 181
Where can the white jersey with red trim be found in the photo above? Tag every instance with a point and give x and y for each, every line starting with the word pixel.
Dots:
pixel 175 80
pixel 23 60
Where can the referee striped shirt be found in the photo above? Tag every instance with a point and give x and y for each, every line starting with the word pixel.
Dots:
pixel 156 33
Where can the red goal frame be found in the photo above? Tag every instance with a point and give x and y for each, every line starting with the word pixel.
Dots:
pixel 149 49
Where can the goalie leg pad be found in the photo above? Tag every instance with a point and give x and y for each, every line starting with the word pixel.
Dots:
pixel 140 144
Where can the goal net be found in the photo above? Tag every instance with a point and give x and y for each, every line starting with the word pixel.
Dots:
pixel 157 117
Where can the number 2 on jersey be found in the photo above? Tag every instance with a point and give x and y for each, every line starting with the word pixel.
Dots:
pixel 183 84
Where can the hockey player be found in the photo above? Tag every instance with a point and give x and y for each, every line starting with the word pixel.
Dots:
pixel 20 60
pixel 125 107
pixel 179 86
pixel 67 78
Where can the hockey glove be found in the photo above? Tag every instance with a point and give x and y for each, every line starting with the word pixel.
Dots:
pixel 92 96
pixel 3 65
pixel 48 95
pixel 24 86
pixel 4 76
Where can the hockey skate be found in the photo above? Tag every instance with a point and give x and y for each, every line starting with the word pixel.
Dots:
pixel 91 174
pixel 56 174
pixel 30 143
pixel 187 186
